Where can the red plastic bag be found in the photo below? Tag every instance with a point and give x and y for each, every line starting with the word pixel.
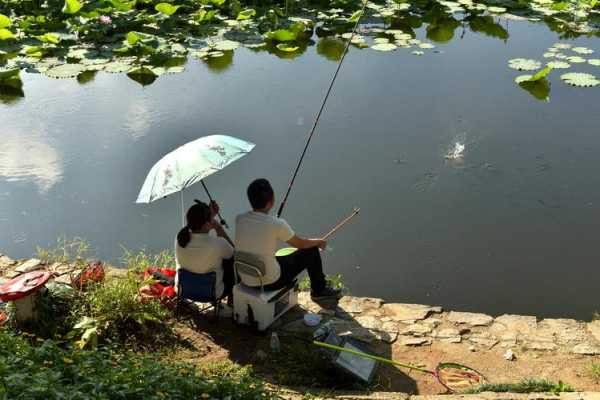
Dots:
pixel 163 288
pixel 93 273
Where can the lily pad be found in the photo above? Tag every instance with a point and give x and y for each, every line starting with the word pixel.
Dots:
pixel 576 59
pixel 384 47
pixel 4 21
pixel 558 65
pixel 115 67
pixel 166 8
pixel 426 45
pixel 562 45
pixel 496 10
pixel 582 50
pixel 65 71
pixel 226 45
pixel 380 40
pixel 287 47
pixel 524 64
pixel 580 79
pixel 594 61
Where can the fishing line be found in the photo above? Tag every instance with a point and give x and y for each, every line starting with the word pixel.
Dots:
pixel 317 118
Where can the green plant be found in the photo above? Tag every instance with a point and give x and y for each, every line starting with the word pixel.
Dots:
pixel 138 262
pixel 113 311
pixel 524 386
pixel 75 250
pixel 596 316
pixel 593 371
pixel 334 281
pixel 42 369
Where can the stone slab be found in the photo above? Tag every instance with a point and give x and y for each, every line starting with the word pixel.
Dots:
pixel 417 330
pixel 517 323
pixel 412 341
pixel 586 349
pixel 565 331
pixel 357 305
pixel 450 335
pixel 409 312
pixel 594 328
pixel 471 319
pixel 30 265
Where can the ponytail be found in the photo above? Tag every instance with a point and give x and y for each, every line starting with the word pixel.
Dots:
pixel 198 215
pixel 184 236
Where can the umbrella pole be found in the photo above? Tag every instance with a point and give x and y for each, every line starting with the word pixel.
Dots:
pixel 182 210
pixel 211 199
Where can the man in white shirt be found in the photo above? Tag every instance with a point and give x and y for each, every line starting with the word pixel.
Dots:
pixel 258 233
pixel 199 252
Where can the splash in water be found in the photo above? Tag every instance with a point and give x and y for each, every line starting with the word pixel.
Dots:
pixel 456 152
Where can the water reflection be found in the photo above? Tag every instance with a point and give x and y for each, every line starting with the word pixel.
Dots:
pixel 27 158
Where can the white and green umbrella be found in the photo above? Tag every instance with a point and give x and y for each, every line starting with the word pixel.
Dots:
pixel 190 164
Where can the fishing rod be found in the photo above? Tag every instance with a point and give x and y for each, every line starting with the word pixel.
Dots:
pixel 318 116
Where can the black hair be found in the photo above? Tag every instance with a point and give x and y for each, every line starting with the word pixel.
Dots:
pixel 260 193
pixel 198 215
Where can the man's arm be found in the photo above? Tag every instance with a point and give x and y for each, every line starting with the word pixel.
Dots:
pixel 302 243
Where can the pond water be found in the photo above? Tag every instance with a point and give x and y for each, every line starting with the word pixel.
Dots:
pixel 511 227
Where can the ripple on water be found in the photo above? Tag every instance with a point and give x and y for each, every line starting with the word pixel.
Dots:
pixel 25 158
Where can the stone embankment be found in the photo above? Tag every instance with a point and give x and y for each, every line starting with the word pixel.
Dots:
pixel 410 325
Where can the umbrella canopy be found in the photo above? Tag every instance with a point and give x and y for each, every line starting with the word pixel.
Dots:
pixel 191 163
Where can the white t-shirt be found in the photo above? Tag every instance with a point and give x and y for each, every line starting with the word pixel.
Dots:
pixel 258 233
pixel 204 253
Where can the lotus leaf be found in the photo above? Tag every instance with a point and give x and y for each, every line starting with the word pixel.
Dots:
pixel 558 64
pixel 549 55
pixel 6 73
pixel 65 71
pixel 281 35
pixel 426 45
pixel 226 45
pixel 115 67
pixel 381 40
pixel 4 21
pixel 355 16
pixel 287 47
pixel 580 79
pixel 496 10
pixel 562 45
pixel 417 52
pixel 6 34
pixel 576 59
pixel 384 47
pixel 539 89
pixel 582 50
pixel 594 61
pixel 166 8
pixel 523 64
pixel 246 14
pixel 49 38
pixel 71 7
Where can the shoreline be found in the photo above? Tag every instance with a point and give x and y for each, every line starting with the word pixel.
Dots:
pixel 505 348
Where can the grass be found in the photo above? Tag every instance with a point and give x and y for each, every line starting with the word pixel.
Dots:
pixel 524 386
pixel 33 368
pixel 593 371
pixel 334 281
pixel 76 251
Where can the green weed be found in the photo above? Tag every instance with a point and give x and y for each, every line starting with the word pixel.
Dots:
pixel 593 371
pixel 141 260
pixel 75 250
pixel 334 281
pixel 524 386
pixel 41 369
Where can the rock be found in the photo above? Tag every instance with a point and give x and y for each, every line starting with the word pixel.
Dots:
pixel 516 323
pixel 539 343
pixel 586 349
pixel 417 330
pixel 565 331
pixel 63 279
pixel 61 268
pixel 6 261
pixel 416 341
pixel 484 339
pixel 353 329
pixel 509 355
pixel 594 328
pixel 472 348
pixel 450 335
pixel 409 312
pixel 467 318
pixel 508 339
pixel 29 265
pixel 357 305
pixel 369 322
pixel 305 301
pixel 432 321
pixel 12 274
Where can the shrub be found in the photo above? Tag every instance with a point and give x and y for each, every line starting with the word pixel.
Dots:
pixel 76 250
pixel 334 281
pixel 141 260
pixel 45 370
pixel 593 371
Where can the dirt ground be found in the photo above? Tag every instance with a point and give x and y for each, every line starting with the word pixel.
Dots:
pixel 301 364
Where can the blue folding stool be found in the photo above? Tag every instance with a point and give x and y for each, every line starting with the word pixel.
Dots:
pixel 193 287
